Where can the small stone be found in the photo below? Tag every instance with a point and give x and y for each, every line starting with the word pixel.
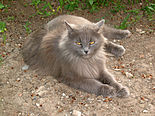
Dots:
pixel 32 114
pixel 37 104
pixel 20 95
pixel 41 91
pixel 4 53
pixel 7 44
pixel 117 69
pixel 86 105
pixel 19 114
pixel 18 79
pixel 67 97
pixel 142 32
pixel 76 113
pixel 128 74
pixel 99 100
pixel 90 99
pixel 25 67
pixel 19 45
pixel 145 111
pixel 63 94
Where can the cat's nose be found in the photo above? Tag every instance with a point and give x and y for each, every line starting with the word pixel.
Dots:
pixel 86 51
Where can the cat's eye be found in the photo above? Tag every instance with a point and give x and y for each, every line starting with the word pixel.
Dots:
pixel 78 43
pixel 92 42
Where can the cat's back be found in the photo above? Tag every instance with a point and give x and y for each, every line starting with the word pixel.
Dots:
pixel 58 23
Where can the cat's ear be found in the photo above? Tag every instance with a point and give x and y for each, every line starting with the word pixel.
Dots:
pixel 68 26
pixel 100 23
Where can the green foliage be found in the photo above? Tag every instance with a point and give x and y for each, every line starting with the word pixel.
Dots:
pixel 134 1
pixel 10 18
pixel 124 23
pixel 93 5
pixel 134 11
pixel 118 6
pixel 61 3
pixel 44 8
pixel 35 3
pixel 149 10
pixel 2 27
pixel 1 6
pixel 71 4
pixel 26 26
pixel 3 30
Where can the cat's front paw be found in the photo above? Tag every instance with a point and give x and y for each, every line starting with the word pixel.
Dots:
pixel 123 92
pixel 107 91
pixel 119 51
pixel 127 33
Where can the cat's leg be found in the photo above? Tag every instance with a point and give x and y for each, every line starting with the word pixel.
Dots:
pixel 94 86
pixel 108 78
pixel 114 49
pixel 112 33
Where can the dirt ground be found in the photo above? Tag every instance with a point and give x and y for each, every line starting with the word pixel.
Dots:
pixel 24 93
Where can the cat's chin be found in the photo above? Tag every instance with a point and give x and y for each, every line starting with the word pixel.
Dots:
pixel 86 56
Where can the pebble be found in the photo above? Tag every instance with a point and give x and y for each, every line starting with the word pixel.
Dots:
pixel 76 113
pixel 25 67
pixel 63 94
pixel 142 32
pixel 37 104
pixel 18 79
pixel 145 111
pixel 86 105
pixel 19 45
pixel 116 69
pixel 4 53
pixel 7 44
pixel 67 97
pixel 128 74
pixel 32 114
pixel 90 99
pixel 19 114
pixel 41 91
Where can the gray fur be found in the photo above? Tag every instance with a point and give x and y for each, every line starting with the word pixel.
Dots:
pixel 54 51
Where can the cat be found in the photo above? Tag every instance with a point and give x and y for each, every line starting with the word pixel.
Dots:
pixel 73 49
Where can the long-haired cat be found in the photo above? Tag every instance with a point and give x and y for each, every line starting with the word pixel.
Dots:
pixel 73 48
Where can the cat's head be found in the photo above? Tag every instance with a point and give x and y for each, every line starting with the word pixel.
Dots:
pixel 84 41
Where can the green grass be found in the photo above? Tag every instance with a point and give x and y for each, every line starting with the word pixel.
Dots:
pixel 44 8
pixel 149 10
pixel 3 30
pixel 27 28
pixel 10 18
pixel 1 6
pixel 124 24
pixel 71 4
pixel 117 6
pixel 2 27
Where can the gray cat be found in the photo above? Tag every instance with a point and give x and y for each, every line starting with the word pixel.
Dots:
pixel 73 49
